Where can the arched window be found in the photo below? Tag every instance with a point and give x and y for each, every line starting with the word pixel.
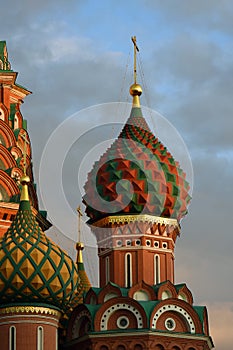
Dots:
pixel 159 347
pixel 166 294
pixel 12 338
pixel 183 296
pixel 40 338
pixel 2 114
pixel 109 296
pixel 16 122
pixel 121 347
pixel 141 295
pixel 104 347
pixel 128 270
pixel 157 269
pixel 107 270
pixel 138 347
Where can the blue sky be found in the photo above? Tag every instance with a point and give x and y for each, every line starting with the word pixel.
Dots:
pixel 73 54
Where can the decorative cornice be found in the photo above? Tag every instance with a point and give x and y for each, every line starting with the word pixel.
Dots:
pixel 149 333
pixel 30 309
pixel 122 219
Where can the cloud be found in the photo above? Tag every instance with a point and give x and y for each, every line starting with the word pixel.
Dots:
pixel 221 324
pixel 73 57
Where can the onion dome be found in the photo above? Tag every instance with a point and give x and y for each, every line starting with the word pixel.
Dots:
pixel 32 267
pixel 84 280
pixel 85 283
pixel 136 175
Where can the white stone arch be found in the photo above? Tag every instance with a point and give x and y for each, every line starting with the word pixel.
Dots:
pixel 177 309
pixel 16 122
pixel 121 306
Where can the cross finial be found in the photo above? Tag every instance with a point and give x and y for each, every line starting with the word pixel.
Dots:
pixel 24 137
pixel 79 222
pixel 134 40
pixel 79 245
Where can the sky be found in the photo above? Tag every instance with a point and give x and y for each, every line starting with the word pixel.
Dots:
pixel 77 54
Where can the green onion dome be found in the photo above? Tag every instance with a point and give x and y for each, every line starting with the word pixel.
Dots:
pixel 32 267
pixel 136 175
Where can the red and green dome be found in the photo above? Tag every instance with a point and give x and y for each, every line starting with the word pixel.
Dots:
pixel 136 175
pixel 33 268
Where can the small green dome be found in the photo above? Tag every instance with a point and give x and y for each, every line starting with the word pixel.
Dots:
pixel 32 267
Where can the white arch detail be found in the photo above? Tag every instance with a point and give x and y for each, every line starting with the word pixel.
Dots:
pixel 121 306
pixel 178 309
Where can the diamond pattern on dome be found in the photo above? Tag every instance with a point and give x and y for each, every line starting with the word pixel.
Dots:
pixel 37 282
pixel 17 282
pixel 27 291
pixel 47 270
pixel 17 255
pixel 6 269
pixel 65 273
pixel 37 256
pixel 55 284
pixel 27 268
pixel 158 185
pixel 45 292
pixel 2 285
pixel 32 267
pixel 55 257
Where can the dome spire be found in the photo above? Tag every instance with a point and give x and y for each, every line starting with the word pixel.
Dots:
pixel 135 89
pixel 79 245
pixel 4 63
pixel 25 180
pixel 86 285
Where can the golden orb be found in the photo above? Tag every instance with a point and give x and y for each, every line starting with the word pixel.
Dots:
pixel 79 246
pixel 135 90
pixel 25 179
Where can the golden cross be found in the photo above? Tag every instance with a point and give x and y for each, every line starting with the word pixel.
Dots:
pixel 133 38
pixel 24 137
pixel 79 222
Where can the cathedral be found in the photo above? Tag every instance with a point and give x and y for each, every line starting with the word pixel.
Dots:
pixel 135 197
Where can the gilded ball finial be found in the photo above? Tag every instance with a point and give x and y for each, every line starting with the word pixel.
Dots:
pixel 25 179
pixel 135 90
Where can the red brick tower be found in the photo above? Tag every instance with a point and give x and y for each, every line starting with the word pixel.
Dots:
pixel 39 282
pixel 14 139
pixel 135 197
